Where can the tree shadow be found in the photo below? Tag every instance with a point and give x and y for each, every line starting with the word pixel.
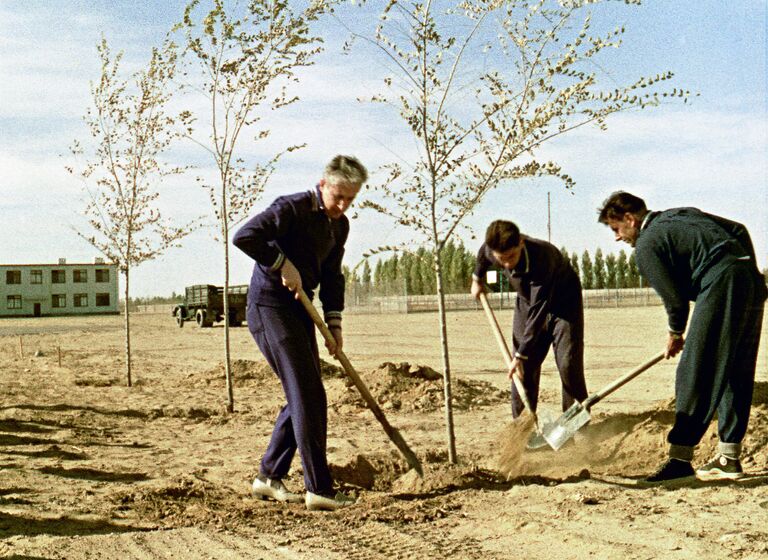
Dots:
pixel 482 479
pixel 16 525
pixel 52 452
pixel 13 425
pixel 66 408
pixel 749 480
pixel 94 474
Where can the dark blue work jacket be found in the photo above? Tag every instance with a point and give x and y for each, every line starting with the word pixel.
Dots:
pixel 296 227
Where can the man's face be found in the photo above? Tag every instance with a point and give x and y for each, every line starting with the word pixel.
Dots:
pixel 337 197
pixel 626 229
pixel 509 258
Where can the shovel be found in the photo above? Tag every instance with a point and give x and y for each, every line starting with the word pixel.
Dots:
pixel 393 434
pixel 537 440
pixel 563 429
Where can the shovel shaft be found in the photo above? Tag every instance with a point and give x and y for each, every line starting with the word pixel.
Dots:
pixel 507 354
pixel 391 432
pixel 621 381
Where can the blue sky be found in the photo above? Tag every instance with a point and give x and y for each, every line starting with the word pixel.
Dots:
pixel 709 153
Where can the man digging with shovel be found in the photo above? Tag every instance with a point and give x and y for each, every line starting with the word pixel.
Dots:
pixel 548 310
pixel 298 243
pixel 688 255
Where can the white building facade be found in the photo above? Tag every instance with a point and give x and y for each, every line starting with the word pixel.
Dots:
pixel 39 290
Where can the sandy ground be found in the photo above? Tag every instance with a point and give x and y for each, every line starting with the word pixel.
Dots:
pixel 90 468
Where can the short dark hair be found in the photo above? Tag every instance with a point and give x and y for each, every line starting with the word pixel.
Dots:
pixel 502 235
pixel 620 203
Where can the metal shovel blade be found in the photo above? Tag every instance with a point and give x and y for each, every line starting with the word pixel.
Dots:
pixel 561 430
pixel 545 418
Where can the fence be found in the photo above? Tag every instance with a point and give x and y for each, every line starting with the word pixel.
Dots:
pixel 628 297
pixel 359 304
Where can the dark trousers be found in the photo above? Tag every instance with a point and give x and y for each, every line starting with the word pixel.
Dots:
pixel 286 337
pixel 716 372
pixel 566 336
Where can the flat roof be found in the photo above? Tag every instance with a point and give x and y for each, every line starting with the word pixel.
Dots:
pixel 56 264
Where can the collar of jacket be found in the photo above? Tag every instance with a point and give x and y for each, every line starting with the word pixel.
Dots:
pixel 647 219
pixel 527 262
pixel 317 199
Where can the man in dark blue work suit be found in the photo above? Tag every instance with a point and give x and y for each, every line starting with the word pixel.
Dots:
pixel 298 243
pixel 548 310
pixel 688 255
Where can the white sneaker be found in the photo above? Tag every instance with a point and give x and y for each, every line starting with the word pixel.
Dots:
pixel 317 502
pixel 272 488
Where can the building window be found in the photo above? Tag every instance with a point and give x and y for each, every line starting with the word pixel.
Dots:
pixel 102 300
pixel 79 276
pixel 14 302
pixel 58 277
pixel 13 277
pixel 59 300
pixel 102 275
pixel 35 276
pixel 81 300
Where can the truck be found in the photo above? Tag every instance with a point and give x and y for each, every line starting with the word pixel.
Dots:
pixel 204 304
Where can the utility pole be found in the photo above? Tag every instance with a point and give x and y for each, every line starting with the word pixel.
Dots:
pixel 549 221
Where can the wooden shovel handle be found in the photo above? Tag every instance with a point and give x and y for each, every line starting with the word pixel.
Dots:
pixel 506 353
pixel 393 433
pixel 621 381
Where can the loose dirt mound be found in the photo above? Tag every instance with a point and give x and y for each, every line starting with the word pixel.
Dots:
pixel 249 371
pixel 634 444
pixel 410 387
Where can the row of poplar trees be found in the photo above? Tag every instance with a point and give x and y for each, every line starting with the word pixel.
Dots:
pixel 413 273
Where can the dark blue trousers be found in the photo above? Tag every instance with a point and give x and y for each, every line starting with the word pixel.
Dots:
pixel 716 372
pixel 565 334
pixel 286 337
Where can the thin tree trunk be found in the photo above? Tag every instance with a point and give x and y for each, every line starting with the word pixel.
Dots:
pixel 227 361
pixel 127 326
pixel 450 435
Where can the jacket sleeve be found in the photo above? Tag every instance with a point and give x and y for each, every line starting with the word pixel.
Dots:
pixel 652 265
pixel 332 280
pixel 255 236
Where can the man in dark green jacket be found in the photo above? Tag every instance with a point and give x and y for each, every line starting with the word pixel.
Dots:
pixel 688 255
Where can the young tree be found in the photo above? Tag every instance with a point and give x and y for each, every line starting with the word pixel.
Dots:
pixel 633 274
pixel 365 278
pixel 479 119
pixel 131 131
pixel 378 278
pixel 622 269
pixel 575 263
pixel 587 276
pixel 246 57
pixel 598 270
pixel 416 280
pixel 610 271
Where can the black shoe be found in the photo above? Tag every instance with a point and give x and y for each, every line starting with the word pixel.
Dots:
pixel 721 468
pixel 673 469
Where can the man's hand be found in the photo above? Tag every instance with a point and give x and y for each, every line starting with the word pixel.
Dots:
pixel 516 368
pixel 675 343
pixel 291 277
pixel 476 289
pixel 338 341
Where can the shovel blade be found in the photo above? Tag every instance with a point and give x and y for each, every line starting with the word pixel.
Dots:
pixel 561 430
pixel 545 417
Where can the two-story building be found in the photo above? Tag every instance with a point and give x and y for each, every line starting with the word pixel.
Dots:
pixel 37 290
